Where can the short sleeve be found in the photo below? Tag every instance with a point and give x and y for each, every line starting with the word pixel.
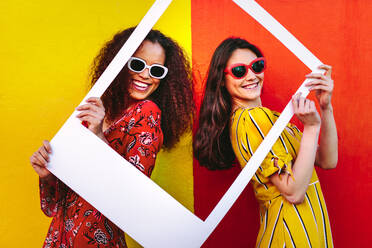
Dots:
pixel 253 125
pixel 294 131
pixel 139 138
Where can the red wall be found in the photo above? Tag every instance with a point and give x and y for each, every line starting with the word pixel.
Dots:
pixel 338 33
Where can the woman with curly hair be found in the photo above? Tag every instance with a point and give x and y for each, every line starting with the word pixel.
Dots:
pixel 147 107
pixel 232 125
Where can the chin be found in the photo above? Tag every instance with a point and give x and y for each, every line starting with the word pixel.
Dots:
pixel 138 97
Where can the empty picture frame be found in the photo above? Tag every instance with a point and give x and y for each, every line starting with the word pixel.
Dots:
pixel 126 196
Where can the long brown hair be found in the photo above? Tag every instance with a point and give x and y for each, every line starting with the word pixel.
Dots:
pixel 174 95
pixel 212 146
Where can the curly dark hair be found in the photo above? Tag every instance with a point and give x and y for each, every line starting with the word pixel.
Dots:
pixel 174 96
pixel 212 145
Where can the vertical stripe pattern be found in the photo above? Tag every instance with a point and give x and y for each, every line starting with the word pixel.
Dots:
pixel 282 224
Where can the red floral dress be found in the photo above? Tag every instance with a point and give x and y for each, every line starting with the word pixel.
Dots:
pixel 137 136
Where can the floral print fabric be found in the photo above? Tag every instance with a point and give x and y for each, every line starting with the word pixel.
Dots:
pixel 136 136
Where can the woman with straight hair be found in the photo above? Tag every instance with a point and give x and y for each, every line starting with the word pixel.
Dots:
pixel 147 107
pixel 233 123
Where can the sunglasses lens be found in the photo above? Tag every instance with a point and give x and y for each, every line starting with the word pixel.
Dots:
pixel 258 66
pixel 157 71
pixel 239 71
pixel 136 65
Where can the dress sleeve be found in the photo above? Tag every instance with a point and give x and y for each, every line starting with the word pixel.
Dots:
pixel 139 139
pixel 253 126
pixel 294 131
pixel 49 196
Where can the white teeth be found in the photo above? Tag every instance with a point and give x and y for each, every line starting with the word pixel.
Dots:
pixel 140 84
pixel 251 86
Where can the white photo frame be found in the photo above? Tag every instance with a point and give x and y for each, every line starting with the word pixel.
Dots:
pixel 130 199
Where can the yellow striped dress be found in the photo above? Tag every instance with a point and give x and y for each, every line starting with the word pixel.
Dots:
pixel 282 224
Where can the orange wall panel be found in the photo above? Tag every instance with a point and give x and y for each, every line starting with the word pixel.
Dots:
pixel 338 33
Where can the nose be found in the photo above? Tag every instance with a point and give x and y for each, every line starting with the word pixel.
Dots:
pixel 145 73
pixel 250 75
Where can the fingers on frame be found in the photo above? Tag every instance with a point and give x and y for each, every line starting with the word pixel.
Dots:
pixel 317 76
pixel 308 106
pixel 295 100
pixel 88 106
pixel 47 146
pixel 316 82
pixel 38 159
pixel 312 106
pixel 327 68
pixel 89 119
pixel 43 153
pixel 301 105
pixel 95 100
pixel 294 103
pixel 321 87
pixel 91 114
pixel 319 84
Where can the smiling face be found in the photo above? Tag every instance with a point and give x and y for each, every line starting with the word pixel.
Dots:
pixel 142 85
pixel 246 91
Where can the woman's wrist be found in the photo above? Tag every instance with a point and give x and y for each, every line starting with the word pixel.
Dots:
pixel 326 108
pixel 102 137
pixel 47 178
pixel 313 128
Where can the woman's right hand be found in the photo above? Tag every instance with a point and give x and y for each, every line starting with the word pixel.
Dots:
pixel 39 160
pixel 305 111
pixel 93 113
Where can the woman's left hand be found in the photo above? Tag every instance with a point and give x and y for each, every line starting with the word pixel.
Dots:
pixel 322 84
pixel 93 113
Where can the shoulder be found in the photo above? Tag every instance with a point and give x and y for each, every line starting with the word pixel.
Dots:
pixel 146 106
pixel 257 115
pixel 140 111
pixel 148 112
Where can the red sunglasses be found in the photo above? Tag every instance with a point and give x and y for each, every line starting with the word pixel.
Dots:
pixel 238 71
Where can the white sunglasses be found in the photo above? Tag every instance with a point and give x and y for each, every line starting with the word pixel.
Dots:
pixel 155 70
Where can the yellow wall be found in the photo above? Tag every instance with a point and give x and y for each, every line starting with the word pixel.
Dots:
pixel 46 49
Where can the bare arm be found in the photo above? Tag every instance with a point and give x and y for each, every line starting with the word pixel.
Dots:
pixel 327 154
pixel 322 85
pixel 294 187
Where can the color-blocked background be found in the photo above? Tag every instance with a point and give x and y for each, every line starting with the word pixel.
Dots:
pixel 338 33
pixel 46 50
